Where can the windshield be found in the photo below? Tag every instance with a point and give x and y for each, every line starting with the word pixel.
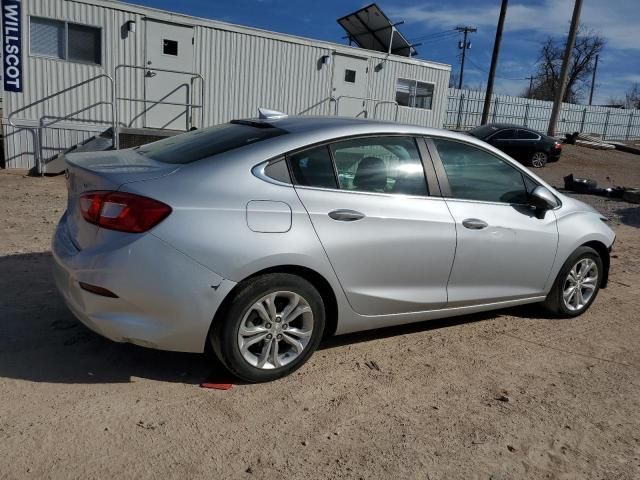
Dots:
pixel 198 144
pixel 483 131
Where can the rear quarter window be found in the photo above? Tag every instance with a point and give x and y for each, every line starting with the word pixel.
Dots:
pixel 198 144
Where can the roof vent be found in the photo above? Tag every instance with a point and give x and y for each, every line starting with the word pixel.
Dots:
pixel 265 113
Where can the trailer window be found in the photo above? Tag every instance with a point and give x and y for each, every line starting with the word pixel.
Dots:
pixel 198 144
pixel 47 37
pixel 65 40
pixel 411 93
pixel 84 44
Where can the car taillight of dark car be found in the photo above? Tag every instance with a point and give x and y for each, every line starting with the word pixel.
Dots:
pixel 121 211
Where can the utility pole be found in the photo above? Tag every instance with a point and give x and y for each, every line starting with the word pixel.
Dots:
pixel 464 45
pixel 571 40
pixel 593 80
pixel 530 83
pixel 494 62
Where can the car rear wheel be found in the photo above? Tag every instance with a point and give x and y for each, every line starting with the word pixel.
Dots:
pixel 577 284
pixel 538 159
pixel 273 325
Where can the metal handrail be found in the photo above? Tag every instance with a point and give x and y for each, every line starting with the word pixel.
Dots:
pixel 189 105
pixel 383 102
pixel 71 115
pixel 38 131
pixel 379 101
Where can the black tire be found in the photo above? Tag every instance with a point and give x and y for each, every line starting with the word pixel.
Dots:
pixel 538 159
pixel 225 333
pixel 554 302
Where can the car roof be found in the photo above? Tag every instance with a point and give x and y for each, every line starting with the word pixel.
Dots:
pixel 502 126
pixel 335 126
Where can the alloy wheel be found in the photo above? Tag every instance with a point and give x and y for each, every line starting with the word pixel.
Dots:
pixel 275 330
pixel 580 284
pixel 539 159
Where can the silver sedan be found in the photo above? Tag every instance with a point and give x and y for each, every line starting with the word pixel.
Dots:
pixel 262 236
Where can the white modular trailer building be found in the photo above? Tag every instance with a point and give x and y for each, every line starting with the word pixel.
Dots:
pixel 73 69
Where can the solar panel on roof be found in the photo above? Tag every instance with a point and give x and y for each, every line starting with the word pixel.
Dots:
pixel 370 28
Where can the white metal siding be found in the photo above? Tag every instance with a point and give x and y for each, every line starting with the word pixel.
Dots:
pixel 243 72
pixel 383 75
pixel 243 68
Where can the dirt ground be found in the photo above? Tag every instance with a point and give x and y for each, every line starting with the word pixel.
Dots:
pixel 503 395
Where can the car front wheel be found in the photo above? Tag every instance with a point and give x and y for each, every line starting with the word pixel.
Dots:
pixel 577 284
pixel 272 326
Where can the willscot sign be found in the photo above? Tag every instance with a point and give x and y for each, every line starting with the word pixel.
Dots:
pixel 12 45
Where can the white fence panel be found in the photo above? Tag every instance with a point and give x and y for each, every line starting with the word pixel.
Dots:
pixel 464 112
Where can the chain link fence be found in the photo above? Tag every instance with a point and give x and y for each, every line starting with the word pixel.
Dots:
pixel 464 111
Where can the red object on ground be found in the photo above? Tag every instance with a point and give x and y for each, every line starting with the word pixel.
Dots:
pixel 216 385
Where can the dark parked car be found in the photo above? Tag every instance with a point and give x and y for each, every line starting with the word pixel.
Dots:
pixel 533 148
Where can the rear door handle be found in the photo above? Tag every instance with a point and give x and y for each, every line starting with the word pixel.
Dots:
pixel 346 215
pixel 474 224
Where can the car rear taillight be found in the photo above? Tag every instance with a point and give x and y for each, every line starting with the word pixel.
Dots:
pixel 557 146
pixel 122 211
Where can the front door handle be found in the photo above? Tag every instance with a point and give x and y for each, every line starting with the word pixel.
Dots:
pixel 474 224
pixel 345 215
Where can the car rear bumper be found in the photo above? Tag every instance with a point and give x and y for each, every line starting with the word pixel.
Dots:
pixel 165 300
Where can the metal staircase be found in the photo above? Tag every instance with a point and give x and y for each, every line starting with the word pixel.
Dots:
pixel 120 134
pixel 118 130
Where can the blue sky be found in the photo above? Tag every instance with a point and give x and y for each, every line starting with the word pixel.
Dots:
pixel 528 23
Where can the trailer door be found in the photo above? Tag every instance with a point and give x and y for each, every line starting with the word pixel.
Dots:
pixel 350 85
pixel 169 47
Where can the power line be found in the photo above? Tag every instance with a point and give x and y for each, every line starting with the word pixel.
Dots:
pixel 451 31
pixel 472 62
pixel 436 37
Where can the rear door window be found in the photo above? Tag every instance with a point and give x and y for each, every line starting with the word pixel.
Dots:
pixel 380 164
pixel 198 144
pixel 527 135
pixel 504 135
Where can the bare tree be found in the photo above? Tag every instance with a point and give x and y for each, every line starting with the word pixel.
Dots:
pixel 547 77
pixel 631 98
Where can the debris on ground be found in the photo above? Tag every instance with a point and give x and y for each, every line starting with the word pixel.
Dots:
pixel 590 187
pixel 503 397
pixel 623 147
pixel 149 425
pixel 589 141
pixel 216 385
pixel 596 143
pixel 631 195
pixel 372 365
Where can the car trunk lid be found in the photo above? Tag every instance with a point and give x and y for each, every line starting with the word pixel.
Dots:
pixel 103 171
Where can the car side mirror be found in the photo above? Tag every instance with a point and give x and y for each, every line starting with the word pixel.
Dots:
pixel 542 198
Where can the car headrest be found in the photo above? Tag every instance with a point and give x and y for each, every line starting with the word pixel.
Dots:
pixel 371 174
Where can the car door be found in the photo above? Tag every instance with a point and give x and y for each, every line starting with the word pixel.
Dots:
pixel 529 142
pixel 390 242
pixel 505 140
pixel 505 251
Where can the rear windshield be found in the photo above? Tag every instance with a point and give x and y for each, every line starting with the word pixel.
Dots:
pixel 483 131
pixel 198 144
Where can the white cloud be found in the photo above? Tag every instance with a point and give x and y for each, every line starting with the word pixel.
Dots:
pixel 617 20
